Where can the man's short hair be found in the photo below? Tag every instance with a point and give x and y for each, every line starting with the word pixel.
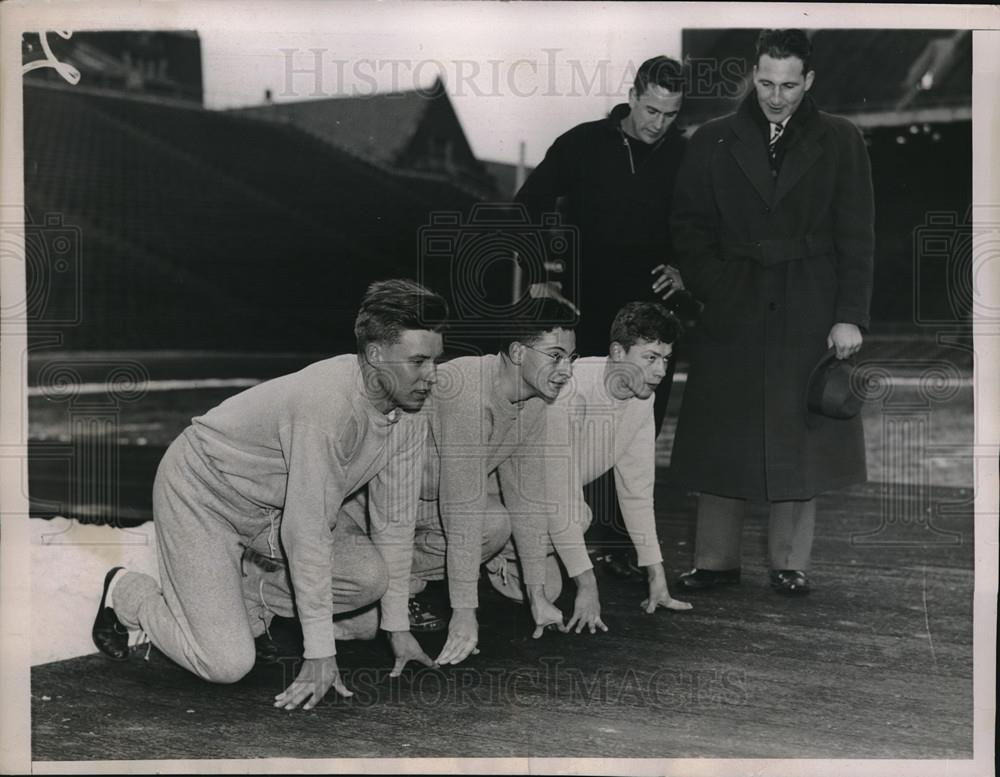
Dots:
pixel 662 71
pixel 390 307
pixel 536 317
pixel 781 44
pixel 649 321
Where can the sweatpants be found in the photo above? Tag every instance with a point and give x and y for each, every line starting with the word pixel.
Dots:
pixel 223 575
pixel 430 546
pixel 608 533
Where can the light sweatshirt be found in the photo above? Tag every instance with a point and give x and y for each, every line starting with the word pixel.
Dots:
pixel 298 446
pixel 610 433
pixel 475 432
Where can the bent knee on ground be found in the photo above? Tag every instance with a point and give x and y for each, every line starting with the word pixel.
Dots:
pixel 371 576
pixel 496 532
pixel 227 667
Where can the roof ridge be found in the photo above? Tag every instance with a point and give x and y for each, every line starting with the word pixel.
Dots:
pixel 435 91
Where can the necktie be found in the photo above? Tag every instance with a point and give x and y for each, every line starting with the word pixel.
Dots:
pixel 772 147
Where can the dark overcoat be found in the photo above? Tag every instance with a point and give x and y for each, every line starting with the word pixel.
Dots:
pixel 777 259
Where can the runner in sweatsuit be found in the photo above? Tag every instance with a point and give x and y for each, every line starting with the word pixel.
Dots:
pixel 603 419
pixel 247 506
pixel 489 437
pixel 609 402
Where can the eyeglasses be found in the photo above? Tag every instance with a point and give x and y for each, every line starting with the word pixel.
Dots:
pixel 557 358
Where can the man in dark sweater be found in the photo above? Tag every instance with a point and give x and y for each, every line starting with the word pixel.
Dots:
pixel 616 176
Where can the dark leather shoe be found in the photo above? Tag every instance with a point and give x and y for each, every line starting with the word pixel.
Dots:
pixel 266 648
pixel 619 565
pixel 702 579
pixel 424 619
pixel 109 635
pixel 791 582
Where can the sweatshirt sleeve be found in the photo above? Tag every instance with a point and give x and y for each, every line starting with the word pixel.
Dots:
pixel 313 497
pixel 635 474
pixel 392 500
pixel 539 485
pixel 569 515
pixel 457 427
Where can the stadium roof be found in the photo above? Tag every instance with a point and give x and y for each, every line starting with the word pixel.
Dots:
pixel 877 77
pixel 164 64
pixel 191 228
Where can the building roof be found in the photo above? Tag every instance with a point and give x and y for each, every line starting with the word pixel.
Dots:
pixel 505 174
pixel 378 126
pixel 877 77
pixel 395 130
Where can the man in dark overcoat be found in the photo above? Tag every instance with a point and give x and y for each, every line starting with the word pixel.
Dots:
pixel 773 227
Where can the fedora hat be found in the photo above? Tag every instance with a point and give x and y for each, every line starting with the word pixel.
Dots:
pixel 829 391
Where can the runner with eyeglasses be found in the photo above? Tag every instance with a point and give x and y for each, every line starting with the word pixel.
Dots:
pixel 488 475
pixel 559 358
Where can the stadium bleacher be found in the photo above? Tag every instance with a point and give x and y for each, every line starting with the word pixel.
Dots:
pixel 207 230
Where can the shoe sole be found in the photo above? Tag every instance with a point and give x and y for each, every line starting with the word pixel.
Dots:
pixel 100 609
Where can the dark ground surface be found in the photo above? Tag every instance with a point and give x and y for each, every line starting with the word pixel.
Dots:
pixel 875 663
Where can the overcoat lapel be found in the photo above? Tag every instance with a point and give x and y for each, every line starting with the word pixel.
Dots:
pixel 751 156
pixel 802 153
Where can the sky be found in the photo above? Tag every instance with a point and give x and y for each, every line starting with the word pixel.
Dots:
pixel 514 71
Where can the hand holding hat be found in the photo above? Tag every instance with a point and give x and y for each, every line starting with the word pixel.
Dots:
pixel 845 339
pixel 829 391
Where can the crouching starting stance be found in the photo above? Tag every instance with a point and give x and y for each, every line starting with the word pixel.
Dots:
pixel 248 509
pixel 608 407
pixel 485 477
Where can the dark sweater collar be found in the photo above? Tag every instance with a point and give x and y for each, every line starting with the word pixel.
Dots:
pixel 613 123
